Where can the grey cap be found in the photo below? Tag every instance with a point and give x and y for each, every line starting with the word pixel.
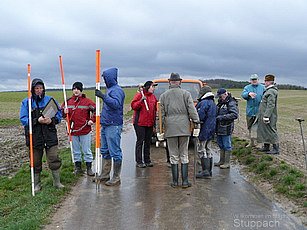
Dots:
pixel 254 77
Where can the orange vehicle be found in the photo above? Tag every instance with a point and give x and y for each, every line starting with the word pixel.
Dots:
pixel 191 85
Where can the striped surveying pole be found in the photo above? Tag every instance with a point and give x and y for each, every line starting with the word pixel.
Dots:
pixel 141 86
pixel 97 149
pixel 66 108
pixel 30 129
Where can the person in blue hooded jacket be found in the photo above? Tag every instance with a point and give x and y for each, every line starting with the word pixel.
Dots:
pixel 206 109
pixel 44 133
pixel 252 93
pixel 111 121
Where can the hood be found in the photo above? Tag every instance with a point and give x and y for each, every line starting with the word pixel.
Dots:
pixel 37 81
pixel 110 77
pixel 209 94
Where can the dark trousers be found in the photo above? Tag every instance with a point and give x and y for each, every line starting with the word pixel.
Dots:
pixel 53 159
pixel 143 138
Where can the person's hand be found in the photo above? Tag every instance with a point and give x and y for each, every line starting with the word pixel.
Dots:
pixel 98 93
pixel 41 120
pixel 252 94
pixel 65 110
pixel 196 132
pixel 143 98
pixel 266 120
pixel 160 136
pixel 48 120
pixel 90 122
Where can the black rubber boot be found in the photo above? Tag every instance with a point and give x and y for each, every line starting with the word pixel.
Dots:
pixel 222 158
pixel 265 148
pixel 174 184
pixel 89 170
pixel 200 174
pixel 184 174
pixel 116 174
pixel 78 168
pixel 275 150
pixel 206 172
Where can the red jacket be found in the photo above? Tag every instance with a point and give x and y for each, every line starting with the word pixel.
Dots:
pixel 141 116
pixel 80 110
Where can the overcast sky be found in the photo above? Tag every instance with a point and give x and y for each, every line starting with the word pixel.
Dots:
pixel 150 39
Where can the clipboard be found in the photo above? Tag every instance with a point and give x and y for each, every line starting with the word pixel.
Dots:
pixel 50 109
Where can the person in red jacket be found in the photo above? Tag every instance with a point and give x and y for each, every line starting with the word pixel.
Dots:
pixel 144 105
pixel 81 112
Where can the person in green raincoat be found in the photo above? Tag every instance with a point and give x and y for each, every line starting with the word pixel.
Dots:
pixel 267 129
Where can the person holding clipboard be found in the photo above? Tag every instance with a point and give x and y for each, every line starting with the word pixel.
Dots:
pixel 45 116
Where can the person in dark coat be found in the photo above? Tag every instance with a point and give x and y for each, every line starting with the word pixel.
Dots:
pixel 44 133
pixel 227 112
pixel 206 110
pixel 267 129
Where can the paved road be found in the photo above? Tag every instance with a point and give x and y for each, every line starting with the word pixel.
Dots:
pixel 145 200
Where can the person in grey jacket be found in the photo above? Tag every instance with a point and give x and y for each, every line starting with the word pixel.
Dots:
pixel 252 93
pixel 177 108
pixel 267 129
pixel 227 112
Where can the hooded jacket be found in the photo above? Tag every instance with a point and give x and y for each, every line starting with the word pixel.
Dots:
pixel 113 100
pixel 206 110
pixel 44 136
pixel 141 116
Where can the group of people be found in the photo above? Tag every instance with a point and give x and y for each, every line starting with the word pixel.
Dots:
pixel 178 112
pixel 81 111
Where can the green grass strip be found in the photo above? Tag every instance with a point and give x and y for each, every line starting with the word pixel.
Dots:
pixel 286 180
pixel 19 209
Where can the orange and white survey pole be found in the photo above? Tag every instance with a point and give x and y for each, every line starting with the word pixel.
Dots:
pixel 66 108
pixel 30 129
pixel 97 149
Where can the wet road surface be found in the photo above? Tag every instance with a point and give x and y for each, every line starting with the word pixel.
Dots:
pixel 145 200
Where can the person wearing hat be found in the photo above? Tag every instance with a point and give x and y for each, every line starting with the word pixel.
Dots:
pixel 111 120
pixel 44 133
pixel 227 112
pixel 206 110
pixel 144 104
pixel 252 93
pixel 267 129
pixel 82 112
pixel 177 108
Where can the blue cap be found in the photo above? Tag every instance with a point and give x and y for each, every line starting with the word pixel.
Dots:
pixel 220 91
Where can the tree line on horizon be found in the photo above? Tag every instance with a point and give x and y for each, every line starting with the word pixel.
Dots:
pixel 215 83
pixel 230 84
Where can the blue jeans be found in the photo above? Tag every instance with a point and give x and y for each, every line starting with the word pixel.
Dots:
pixel 110 142
pixel 82 142
pixel 224 142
